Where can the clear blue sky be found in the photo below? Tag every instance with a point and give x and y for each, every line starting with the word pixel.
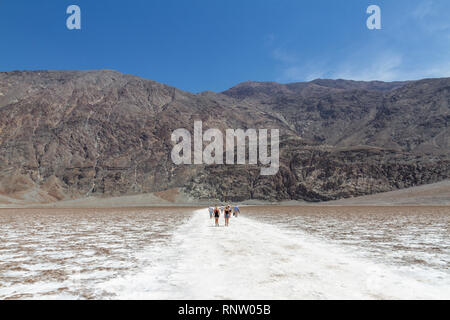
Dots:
pixel 199 45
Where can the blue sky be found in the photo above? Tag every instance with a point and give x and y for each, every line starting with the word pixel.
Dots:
pixel 199 45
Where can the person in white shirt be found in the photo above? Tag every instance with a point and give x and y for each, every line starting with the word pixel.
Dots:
pixel 211 212
pixel 236 211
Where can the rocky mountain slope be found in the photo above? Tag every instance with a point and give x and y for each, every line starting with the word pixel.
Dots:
pixel 71 134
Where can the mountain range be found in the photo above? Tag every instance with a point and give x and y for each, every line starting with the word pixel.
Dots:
pixel 72 134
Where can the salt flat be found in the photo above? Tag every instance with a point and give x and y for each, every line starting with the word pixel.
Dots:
pixel 269 252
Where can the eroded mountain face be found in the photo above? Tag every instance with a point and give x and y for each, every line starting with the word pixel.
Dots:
pixel 68 134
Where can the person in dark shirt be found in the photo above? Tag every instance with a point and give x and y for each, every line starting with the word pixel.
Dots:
pixel 216 216
pixel 227 215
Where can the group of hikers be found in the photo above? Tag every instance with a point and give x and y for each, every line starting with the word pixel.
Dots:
pixel 215 212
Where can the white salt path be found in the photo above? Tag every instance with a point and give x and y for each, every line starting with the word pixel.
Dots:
pixel 255 260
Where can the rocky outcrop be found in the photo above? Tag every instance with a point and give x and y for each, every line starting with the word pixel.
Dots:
pixel 314 173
